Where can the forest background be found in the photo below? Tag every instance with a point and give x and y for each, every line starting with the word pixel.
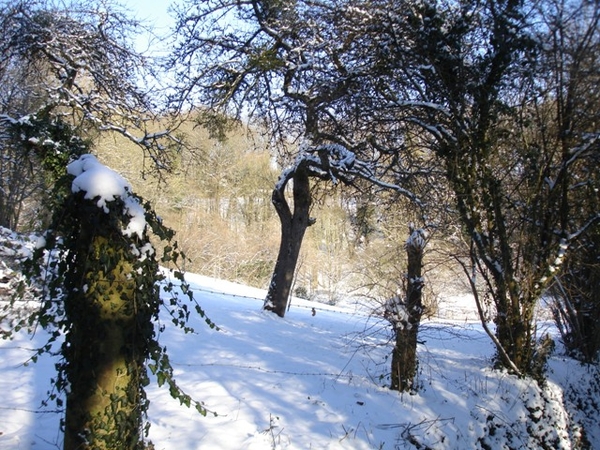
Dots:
pixel 218 200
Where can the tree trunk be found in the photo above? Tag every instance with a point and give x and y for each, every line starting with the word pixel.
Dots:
pixel 293 227
pixel 515 334
pixel 407 317
pixel 102 350
pixel 404 359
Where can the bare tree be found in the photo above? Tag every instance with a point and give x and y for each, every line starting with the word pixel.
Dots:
pixel 566 121
pixel 326 162
pixel 285 64
pixel 464 74
pixel 71 63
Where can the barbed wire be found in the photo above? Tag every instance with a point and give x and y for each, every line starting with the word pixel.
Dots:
pixel 296 305
pixel 274 371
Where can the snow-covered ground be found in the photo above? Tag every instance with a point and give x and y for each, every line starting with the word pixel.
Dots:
pixel 319 382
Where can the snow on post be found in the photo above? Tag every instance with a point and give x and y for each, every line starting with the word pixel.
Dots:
pixel 104 184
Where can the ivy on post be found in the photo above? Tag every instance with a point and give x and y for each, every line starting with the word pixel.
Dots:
pixel 102 292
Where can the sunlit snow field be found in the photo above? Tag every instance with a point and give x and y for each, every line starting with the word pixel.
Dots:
pixel 317 382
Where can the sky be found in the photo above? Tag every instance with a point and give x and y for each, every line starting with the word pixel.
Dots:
pixel 153 13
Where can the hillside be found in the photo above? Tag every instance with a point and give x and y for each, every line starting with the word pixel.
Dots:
pixel 319 381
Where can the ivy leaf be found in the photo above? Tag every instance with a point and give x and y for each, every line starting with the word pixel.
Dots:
pixel 161 377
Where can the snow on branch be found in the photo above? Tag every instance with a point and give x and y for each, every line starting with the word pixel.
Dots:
pixel 590 139
pixel 417 239
pixel 7 119
pixel 584 227
pixel 397 313
pixel 334 162
pixel 339 156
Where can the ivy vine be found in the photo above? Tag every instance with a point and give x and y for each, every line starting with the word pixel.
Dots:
pixel 84 260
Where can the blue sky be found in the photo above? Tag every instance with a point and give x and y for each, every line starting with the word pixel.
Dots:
pixel 153 13
pixel 152 10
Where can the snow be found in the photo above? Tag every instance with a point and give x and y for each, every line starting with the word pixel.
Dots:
pixel 104 185
pixel 397 313
pixel 417 239
pixel 320 382
pixel 97 180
